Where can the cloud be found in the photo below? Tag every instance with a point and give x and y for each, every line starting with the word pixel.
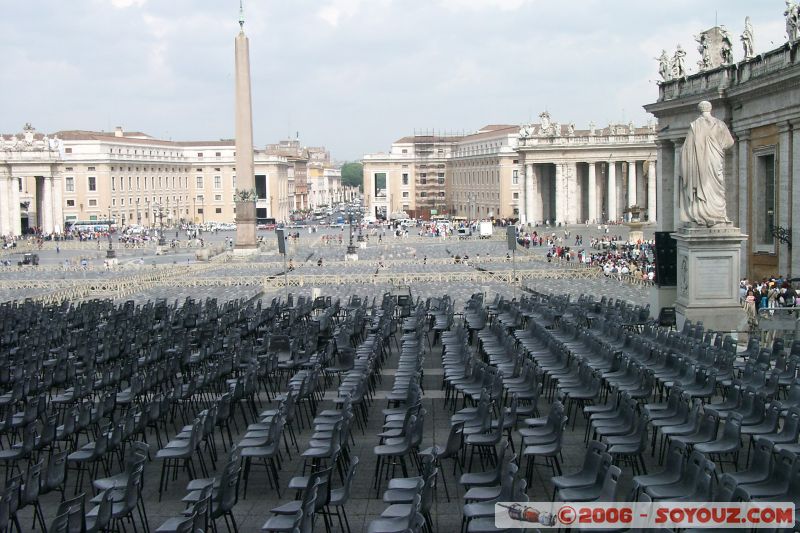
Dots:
pixel 481 5
pixel 336 10
pixel 125 4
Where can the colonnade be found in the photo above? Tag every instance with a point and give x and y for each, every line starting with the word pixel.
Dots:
pixel 571 192
pixel 45 204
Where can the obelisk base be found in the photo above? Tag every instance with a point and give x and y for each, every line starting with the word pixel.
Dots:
pixel 708 277
pixel 246 243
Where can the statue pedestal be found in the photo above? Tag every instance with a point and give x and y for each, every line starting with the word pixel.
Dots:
pixel 708 277
pixel 351 257
pixel 636 232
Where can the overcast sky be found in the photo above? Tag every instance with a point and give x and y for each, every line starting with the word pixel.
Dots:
pixel 352 75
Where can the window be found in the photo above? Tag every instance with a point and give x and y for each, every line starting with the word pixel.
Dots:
pixel 217 197
pixel 440 180
pixel 423 175
pixel 69 184
pixel 764 209
pixel 405 151
pixel 219 154
pixel 405 194
pixel 441 194
pixel 217 182
pixel 423 181
pixel 233 182
pixel 114 202
pixel 199 182
pixel 130 181
pixel 92 183
pixel 122 201
pixel 67 150
pixel 90 169
pixel 199 154
pixel 423 194
pixel 440 175
pixel 218 210
pixel 405 179
pixel 93 203
pixel 113 183
pixel 160 183
pixel 218 169
pixel 515 177
pixel 516 196
pixel 70 203
pixel 200 198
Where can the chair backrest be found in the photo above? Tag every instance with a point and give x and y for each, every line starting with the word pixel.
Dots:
pixel 733 427
pixel 304 522
pixel 593 456
pixel 227 494
pixel 30 492
pixel 348 482
pixel 725 488
pixel 56 472
pixel 455 441
pixel 106 508
pixel 608 492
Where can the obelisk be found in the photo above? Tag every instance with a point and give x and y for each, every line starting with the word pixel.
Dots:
pixel 245 180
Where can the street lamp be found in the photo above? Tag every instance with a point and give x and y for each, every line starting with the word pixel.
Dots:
pixel 350 248
pixel 161 240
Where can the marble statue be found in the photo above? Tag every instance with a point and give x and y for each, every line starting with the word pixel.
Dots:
pixel 55 143
pixel 544 120
pixel 705 57
pixel 678 63
pixel 727 46
pixel 747 39
pixel 664 69
pixel 525 131
pixel 571 130
pixel 556 129
pixel 592 128
pixel 792 15
pixel 631 127
pixel 702 186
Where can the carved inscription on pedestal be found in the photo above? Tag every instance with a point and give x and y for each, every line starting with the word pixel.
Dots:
pixel 712 277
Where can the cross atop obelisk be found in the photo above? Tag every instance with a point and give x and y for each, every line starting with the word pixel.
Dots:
pixel 245 180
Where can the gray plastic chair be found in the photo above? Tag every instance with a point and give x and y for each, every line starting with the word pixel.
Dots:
pixel 587 474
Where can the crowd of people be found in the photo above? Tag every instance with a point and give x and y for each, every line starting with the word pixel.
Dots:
pixel 767 293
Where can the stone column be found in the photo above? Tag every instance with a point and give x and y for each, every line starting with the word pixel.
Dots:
pixel 572 193
pixel 784 192
pixel 561 195
pixel 16 213
pixel 5 202
pixel 631 183
pixel 651 191
pixel 537 214
pixel 528 194
pixel 592 192
pixel 612 190
pixel 678 146
pixel 58 203
pixel 795 206
pixel 665 210
pixel 47 205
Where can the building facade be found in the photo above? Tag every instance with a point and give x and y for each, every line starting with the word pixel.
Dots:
pixel 759 100
pixel 411 179
pixel 538 173
pixel 128 177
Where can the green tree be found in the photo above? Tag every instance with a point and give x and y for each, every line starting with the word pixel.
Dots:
pixel 353 174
